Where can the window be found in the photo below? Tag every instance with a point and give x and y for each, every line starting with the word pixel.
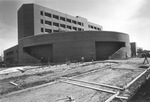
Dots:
pixel 41 13
pixel 79 29
pixel 9 53
pixel 55 31
pixel 89 26
pixel 41 21
pixel 73 21
pixel 62 25
pixel 47 14
pixel 48 22
pixel 48 30
pixel 98 28
pixel 10 60
pixel 69 27
pixel 68 20
pixel 74 28
pixel 92 27
pixel 62 18
pixel 79 23
pixel 82 24
pixel 42 30
pixel 55 16
pixel 55 24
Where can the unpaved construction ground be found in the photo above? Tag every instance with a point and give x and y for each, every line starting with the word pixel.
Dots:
pixel 81 82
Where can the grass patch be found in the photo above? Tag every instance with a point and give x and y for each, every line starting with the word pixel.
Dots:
pixel 44 73
pixel 71 74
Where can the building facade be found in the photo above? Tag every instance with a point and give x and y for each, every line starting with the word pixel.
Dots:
pixel 99 45
pixel 34 19
pixel 49 36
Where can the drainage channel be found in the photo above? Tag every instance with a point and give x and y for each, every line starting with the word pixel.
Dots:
pixel 143 93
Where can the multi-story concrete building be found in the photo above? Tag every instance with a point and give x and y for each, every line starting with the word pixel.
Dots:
pixel 51 36
pixel 11 56
pixel 34 20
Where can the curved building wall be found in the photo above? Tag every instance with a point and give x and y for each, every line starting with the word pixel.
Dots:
pixel 72 46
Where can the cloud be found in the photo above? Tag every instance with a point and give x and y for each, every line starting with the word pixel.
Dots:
pixel 143 12
pixel 8 23
pixel 8 12
pixel 139 23
pixel 123 12
pixel 8 37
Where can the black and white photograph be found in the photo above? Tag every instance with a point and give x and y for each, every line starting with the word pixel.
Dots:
pixel 74 51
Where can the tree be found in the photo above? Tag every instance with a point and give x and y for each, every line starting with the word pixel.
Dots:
pixel 139 50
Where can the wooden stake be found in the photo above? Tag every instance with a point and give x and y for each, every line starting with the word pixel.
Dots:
pixel 122 97
pixel 112 97
pixel 129 84
pixel 13 83
pixel 89 87
pixel 104 85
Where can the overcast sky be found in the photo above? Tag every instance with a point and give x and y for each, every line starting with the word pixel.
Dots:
pixel 128 16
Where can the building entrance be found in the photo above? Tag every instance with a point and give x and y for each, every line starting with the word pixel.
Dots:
pixel 106 49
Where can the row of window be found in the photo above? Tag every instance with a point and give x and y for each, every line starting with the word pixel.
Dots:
pixel 69 27
pixel 60 25
pixel 9 60
pixel 49 30
pixel 93 27
pixel 9 53
pixel 61 18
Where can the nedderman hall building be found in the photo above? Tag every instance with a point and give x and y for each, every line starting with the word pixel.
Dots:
pixel 54 37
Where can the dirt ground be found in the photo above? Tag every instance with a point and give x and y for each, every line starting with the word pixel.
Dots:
pixel 111 72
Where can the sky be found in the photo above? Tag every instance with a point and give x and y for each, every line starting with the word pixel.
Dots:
pixel 127 16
